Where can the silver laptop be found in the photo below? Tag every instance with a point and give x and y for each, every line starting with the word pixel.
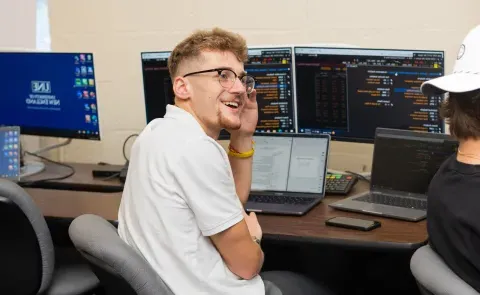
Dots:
pixel 404 162
pixel 288 173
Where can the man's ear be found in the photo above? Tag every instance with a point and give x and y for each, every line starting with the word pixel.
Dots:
pixel 181 88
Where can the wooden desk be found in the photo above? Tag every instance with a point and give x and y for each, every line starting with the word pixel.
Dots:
pixel 393 234
pixel 311 227
pixel 82 180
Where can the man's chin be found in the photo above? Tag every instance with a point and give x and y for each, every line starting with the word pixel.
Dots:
pixel 231 126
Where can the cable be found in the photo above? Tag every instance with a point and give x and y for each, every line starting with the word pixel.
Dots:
pixel 72 172
pixel 111 177
pixel 52 147
pixel 331 171
pixel 125 145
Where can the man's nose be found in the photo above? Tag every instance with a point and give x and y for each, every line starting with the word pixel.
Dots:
pixel 238 87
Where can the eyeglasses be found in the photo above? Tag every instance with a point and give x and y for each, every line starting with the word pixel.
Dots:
pixel 227 78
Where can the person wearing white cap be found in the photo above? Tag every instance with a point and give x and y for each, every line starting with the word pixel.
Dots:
pixel 453 213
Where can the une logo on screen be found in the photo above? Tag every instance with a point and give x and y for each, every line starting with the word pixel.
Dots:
pixel 41 87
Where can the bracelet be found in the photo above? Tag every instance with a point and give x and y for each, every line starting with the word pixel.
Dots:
pixel 234 153
pixel 256 240
pixel 241 155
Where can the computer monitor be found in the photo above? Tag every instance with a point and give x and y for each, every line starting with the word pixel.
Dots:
pixel 50 94
pixel 157 85
pixel 349 92
pixel 272 69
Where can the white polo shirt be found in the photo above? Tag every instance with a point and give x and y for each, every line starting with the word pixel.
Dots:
pixel 180 190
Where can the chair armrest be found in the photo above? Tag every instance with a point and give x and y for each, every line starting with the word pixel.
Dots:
pixel 433 274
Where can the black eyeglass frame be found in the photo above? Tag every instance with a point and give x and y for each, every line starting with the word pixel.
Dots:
pixel 220 70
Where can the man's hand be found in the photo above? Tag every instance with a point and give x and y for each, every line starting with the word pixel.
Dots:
pixel 248 117
pixel 241 140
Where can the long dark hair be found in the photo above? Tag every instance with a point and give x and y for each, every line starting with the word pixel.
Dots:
pixel 462 112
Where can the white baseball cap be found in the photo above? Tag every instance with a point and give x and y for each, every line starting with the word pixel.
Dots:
pixel 466 73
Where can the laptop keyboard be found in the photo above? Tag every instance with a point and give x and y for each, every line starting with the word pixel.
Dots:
pixel 281 200
pixel 394 201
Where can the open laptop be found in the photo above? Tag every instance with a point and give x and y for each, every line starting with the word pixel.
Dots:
pixel 404 162
pixel 10 153
pixel 289 173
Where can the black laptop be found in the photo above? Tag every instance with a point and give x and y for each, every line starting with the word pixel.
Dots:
pixel 404 163
pixel 289 173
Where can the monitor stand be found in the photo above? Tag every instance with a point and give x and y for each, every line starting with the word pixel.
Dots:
pixel 30 168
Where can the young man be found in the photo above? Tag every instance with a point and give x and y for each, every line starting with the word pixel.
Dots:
pixel 182 206
pixel 453 218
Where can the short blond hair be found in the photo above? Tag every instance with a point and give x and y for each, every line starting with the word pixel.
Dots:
pixel 207 40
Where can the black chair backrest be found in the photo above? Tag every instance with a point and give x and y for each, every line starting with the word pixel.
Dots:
pixel 26 249
pixel 119 268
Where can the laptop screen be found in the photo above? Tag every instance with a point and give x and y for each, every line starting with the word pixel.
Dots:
pixel 10 155
pixel 289 163
pixel 407 160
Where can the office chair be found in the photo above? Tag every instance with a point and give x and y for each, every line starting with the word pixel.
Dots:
pixel 434 277
pixel 121 270
pixel 28 261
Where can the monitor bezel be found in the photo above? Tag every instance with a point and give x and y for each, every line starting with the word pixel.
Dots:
pixel 369 140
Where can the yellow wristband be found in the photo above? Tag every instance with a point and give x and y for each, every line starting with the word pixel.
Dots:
pixel 241 155
pixel 234 153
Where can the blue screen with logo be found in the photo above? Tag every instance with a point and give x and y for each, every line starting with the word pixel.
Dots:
pixel 50 94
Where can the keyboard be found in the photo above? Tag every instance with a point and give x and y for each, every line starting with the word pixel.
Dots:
pixel 280 199
pixel 340 184
pixel 394 201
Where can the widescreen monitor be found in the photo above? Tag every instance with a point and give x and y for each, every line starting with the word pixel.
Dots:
pixel 50 94
pixel 270 66
pixel 349 92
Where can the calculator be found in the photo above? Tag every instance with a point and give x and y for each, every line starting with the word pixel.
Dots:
pixel 340 184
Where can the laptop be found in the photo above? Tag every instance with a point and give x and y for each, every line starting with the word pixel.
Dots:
pixel 288 173
pixel 10 153
pixel 404 163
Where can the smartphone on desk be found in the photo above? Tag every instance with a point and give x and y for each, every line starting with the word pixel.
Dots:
pixel 353 223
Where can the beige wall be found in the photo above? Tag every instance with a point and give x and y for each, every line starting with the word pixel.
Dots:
pixel 118 30
pixel 17 33
pixel 17 24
